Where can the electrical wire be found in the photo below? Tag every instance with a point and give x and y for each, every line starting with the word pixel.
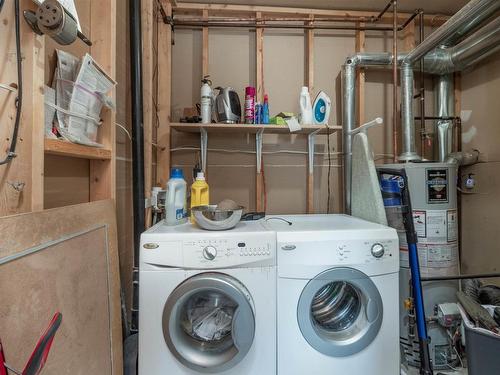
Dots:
pixel 11 154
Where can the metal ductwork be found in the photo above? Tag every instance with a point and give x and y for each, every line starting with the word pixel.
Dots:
pixel 440 60
pixel 459 24
pixel 444 61
pixel 349 109
pixel 445 104
pixel 479 45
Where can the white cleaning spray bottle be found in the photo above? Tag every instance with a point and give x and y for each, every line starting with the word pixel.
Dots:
pixel 206 101
pixel 306 113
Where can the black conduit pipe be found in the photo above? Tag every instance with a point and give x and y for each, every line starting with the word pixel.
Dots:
pixel 137 147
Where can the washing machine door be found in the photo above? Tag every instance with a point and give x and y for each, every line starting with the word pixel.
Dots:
pixel 209 322
pixel 340 312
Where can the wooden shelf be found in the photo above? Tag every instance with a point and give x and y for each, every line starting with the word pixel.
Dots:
pixel 251 128
pixel 64 148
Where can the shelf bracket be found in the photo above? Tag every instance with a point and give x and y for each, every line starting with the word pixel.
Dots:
pixel 310 149
pixel 203 148
pixel 258 149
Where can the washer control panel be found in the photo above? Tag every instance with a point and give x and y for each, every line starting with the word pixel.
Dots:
pixel 223 252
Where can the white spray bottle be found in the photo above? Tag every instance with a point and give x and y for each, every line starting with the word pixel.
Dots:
pixel 206 101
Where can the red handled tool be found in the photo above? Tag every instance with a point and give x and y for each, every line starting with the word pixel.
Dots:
pixel 39 355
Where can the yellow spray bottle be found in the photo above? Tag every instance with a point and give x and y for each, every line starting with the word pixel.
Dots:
pixel 199 192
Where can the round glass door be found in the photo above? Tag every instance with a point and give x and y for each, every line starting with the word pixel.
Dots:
pixel 209 323
pixel 340 312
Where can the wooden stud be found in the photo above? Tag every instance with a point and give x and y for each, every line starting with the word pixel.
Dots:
pixel 310 84
pixel 103 50
pixel 37 115
pixel 225 9
pixel 310 57
pixel 409 37
pixel 360 81
pixel 260 91
pixel 147 20
pixel 164 98
pixel 21 180
pixel 205 62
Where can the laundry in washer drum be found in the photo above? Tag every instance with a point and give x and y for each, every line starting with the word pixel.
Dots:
pixel 208 316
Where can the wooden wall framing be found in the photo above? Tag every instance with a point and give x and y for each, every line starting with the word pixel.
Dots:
pixel 207 10
pixel 22 180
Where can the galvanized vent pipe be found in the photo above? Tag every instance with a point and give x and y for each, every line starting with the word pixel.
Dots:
pixel 439 61
pixel 469 17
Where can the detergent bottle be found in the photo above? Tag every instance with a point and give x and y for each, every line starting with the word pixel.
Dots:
pixel 175 204
pixel 200 192
pixel 306 113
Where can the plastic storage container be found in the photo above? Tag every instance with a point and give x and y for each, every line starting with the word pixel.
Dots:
pixel 175 204
pixel 200 193
pixel 482 348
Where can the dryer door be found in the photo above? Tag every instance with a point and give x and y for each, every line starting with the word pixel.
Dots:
pixel 340 312
pixel 209 322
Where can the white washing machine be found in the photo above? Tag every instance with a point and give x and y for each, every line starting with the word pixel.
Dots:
pixel 207 301
pixel 338 280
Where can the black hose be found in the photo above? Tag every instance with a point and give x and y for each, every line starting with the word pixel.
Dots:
pixel 11 154
pixel 137 146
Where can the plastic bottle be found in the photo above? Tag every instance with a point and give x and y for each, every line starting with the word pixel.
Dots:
pixel 321 108
pixel 200 192
pixel 306 114
pixel 175 204
pixel 206 101
pixel 258 113
pixel 249 105
pixel 265 110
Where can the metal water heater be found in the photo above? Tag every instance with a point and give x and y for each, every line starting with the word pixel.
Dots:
pixel 434 202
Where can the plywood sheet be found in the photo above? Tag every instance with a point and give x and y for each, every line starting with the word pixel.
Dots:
pixel 62 260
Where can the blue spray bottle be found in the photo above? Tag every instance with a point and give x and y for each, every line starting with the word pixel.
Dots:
pixel 265 110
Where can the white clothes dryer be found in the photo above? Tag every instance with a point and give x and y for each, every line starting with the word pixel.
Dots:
pixel 338 280
pixel 207 301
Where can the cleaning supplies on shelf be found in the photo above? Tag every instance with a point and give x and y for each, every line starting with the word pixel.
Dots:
pixel 200 193
pixel 206 101
pixel 265 110
pixel 258 113
pixel 321 108
pixel 175 205
pixel 306 113
pixel 249 105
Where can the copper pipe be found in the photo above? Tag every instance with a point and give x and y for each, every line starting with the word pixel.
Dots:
pixel 276 19
pixel 277 26
pixel 395 80
pixel 379 17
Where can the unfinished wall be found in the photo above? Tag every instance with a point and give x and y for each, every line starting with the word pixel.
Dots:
pixel 124 210
pixel 66 179
pixel 481 210
pixel 232 63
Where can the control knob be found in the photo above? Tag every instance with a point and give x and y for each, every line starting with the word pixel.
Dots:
pixel 209 253
pixel 378 250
